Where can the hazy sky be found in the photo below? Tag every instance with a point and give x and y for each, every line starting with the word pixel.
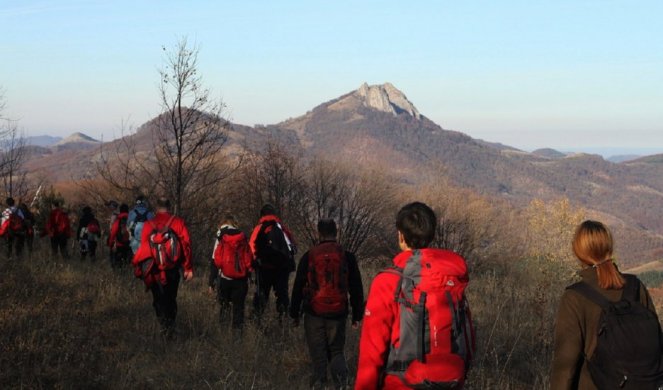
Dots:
pixel 564 74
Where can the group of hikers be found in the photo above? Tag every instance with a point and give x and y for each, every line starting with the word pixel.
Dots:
pixel 417 329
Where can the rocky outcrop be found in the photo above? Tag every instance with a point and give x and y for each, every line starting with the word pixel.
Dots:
pixel 386 98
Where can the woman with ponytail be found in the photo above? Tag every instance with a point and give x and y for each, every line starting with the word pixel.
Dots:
pixel 577 323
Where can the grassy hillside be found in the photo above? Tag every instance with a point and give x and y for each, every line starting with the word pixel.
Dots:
pixel 73 324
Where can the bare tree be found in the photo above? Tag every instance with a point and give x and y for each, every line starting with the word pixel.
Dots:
pixel 185 161
pixel 12 160
pixel 357 199
pixel 190 132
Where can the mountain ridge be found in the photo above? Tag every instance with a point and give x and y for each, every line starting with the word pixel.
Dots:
pixel 377 126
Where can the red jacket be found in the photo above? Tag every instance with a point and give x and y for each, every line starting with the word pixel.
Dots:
pixel 178 227
pixel 115 228
pixel 58 223
pixel 381 327
pixel 256 230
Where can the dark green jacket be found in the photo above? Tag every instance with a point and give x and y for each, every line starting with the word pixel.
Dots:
pixel 575 334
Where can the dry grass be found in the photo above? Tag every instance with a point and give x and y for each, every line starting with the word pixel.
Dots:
pixel 76 324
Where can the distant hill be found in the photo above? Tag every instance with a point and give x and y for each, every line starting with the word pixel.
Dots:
pixel 623 158
pixel 42 140
pixel 654 159
pixel 549 153
pixel 77 141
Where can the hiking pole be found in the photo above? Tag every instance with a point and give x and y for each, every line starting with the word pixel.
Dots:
pixel 36 196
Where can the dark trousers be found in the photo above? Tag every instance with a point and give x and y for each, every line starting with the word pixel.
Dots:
pixel 164 299
pixel 15 243
pixel 232 295
pixel 268 279
pixel 121 256
pixel 326 339
pixel 59 244
pixel 88 248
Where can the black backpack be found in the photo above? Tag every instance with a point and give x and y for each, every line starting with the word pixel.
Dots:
pixel 629 351
pixel 140 218
pixel 271 245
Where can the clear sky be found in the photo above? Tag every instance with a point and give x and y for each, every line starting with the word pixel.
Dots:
pixel 565 74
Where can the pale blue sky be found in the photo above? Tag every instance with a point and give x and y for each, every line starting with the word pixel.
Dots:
pixel 563 74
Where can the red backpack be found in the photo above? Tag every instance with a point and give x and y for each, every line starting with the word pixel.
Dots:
pixel 61 223
pixel 165 246
pixel 327 287
pixel 93 227
pixel 435 340
pixel 123 231
pixel 16 224
pixel 232 255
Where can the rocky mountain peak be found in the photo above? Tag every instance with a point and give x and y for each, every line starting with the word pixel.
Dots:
pixel 386 98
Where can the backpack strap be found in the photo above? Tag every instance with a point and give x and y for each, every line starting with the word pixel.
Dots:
pixel 167 225
pixel 164 228
pixel 394 270
pixel 591 293
pixel 631 291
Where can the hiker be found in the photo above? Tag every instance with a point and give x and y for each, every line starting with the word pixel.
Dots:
pixel 88 234
pixel 230 266
pixel 585 356
pixel 29 221
pixel 112 207
pixel 118 240
pixel 164 248
pixel 407 338
pixel 12 227
pixel 273 247
pixel 58 228
pixel 326 274
pixel 137 217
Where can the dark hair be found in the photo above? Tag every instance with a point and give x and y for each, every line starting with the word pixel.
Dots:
pixel 267 209
pixel 10 201
pixel 124 208
pixel 163 203
pixel 327 228
pixel 87 210
pixel 417 223
pixel 140 199
pixel 56 203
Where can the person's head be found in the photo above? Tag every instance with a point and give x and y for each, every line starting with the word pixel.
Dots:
pixel 87 210
pixel 55 204
pixel 327 229
pixel 416 224
pixel 10 201
pixel 593 246
pixel 228 219
pixel 124 208
pixel 267 209
pixel 141 201
pixel 163 203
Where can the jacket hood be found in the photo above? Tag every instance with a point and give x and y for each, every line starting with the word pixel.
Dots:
pixel 454 264
pixel 268 218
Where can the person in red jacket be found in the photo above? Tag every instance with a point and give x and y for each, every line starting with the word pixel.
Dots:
pixel 58 229
pixel 118 240
pixel 416 224
pixel 165 247
pixel 274 260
